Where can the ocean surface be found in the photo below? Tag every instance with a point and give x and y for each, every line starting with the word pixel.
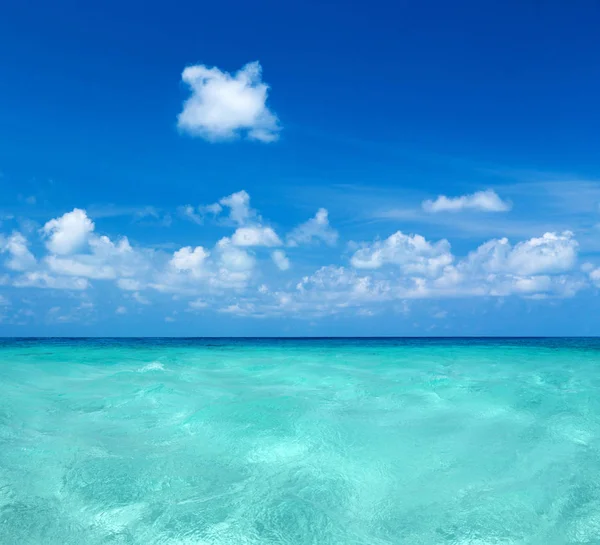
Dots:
pixel 297 442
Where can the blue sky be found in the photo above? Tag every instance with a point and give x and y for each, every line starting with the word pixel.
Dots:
pixel 406 168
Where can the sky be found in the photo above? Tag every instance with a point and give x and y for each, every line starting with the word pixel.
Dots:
pixel 300 169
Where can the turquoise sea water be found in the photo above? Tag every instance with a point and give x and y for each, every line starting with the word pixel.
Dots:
pixel 225 442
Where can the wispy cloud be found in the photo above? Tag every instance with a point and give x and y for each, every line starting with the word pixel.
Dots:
pixel 483 201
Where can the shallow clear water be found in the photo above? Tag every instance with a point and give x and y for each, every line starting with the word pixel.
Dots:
pixel 194 442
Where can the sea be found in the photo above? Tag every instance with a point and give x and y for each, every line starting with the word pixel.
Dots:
pixel 300 441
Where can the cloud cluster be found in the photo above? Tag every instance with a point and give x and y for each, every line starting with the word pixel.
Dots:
pixel 411 253
pixel 249 273
pixel 223 106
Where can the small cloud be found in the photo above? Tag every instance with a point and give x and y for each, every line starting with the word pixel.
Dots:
pixel 225 106
pixel 281 260
pixel 21 259
pixel 169 319
pixel 189 212
pixel 146 212
pixel 402 308
pixel 317 228
pixel 31 199
pixel 198 304
pixel 440 315
pixel 121 310
pixel 484 201
pixel 137 296
pixel 255 236
pixel 129 284
pixel 239 207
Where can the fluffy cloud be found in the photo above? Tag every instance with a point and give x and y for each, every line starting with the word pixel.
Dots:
pixel 239 207
pixel 20 258
pixel 595 277
pixel 224 106
pixel 192 271
pixel 255 236
pixel 412 253
pixel 68 233
pixel 233 274
pixel 281 260
pixel 234 259
pixel 105 260
pixel 549 254
pixel 538 266
pixel 316 228
pixel 189 260
pixel 484 201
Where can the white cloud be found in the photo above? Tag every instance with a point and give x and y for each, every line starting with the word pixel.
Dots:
pixel 239 207
pixel 189 212
pixel 21 259
pixel 121 310
pixel 255 236
pixel 196 271
pixel 233 275
pixel 235 259
pixel 330 290
pixel 281 260
pixel 44 280
pixel 129 284
pixel 543 265
pixel 536 268
pixel 197 304
pixel 484 201
pixel 68 233
pixel 551 253
pixel 316 228
pixel 106 260
pixel 224 106
pixel 595 277
pixel 138 297
pixel 79 267
pixel 190 259
pixel 412 253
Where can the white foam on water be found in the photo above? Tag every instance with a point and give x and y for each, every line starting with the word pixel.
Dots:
pixel 154 366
